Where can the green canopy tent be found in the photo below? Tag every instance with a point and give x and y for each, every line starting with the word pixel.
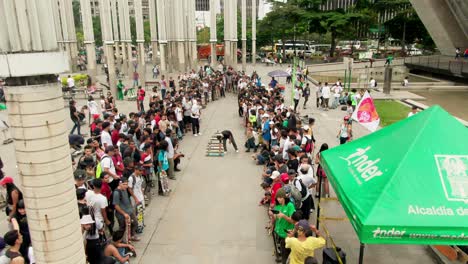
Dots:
pixel 406 183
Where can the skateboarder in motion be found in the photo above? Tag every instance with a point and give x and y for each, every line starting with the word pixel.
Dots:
pixel 227 135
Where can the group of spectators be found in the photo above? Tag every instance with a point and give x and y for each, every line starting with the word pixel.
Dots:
pixel 284 146
pixel 124 157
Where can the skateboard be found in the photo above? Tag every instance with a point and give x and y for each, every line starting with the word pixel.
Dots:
pixel 163 180
pixel 140 218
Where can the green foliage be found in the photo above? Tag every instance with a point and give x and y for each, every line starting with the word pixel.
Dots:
pixel 203 35
pixel 133 29
pixel 147 31
pixel 97 30
pixel 76 14
pixel 78 78
pixel 390 111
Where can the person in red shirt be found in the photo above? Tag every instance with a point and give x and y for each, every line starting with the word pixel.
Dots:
pixel 118 163
pixel 140 99
pixel 106 190
pixel 276 185
pixel 115 133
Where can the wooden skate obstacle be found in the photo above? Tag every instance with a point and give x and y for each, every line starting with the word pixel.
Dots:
pixel 215 146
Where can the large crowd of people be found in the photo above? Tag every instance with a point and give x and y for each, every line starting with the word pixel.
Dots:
pixel 127 154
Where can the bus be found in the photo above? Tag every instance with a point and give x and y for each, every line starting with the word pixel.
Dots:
pixel 291 48
pixel 317 50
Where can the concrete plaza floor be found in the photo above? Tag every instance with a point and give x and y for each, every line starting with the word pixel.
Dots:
pixel 212 215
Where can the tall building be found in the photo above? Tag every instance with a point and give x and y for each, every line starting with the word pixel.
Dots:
pixel 202 5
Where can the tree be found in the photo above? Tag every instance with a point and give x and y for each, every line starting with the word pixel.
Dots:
pixel 203 35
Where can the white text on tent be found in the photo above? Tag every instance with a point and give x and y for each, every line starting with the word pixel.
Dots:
pixel 367 168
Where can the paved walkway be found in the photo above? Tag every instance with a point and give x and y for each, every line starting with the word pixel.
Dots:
pixel 212 215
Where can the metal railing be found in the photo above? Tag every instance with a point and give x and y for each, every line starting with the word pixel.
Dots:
pixel 439 64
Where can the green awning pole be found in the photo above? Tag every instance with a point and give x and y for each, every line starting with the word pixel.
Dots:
pixel 345 78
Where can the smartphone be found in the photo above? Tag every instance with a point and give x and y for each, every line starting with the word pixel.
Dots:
pixel 274 211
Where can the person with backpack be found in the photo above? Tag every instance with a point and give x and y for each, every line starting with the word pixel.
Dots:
pixel 124 210
pixel 307 142
pixel 135 185
pixel 107 165
pixel 307 201
pixel 14 239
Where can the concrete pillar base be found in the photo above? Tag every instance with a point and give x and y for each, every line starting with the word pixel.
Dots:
pixel 244 54
pixel 141 63
pixel 214 58
pixel 130 67
pixel 387 87
pixel 194 54
pixel 181 56
pixel 234 54
pixel 227 53
pixel 162 48
pixel 43 158
pixel 154 45
pixel 254 52
pixel 124 59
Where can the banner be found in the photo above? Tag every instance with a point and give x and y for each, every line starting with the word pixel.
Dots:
pixel 366 114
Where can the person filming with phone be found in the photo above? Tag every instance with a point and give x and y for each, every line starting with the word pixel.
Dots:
pixel 282 220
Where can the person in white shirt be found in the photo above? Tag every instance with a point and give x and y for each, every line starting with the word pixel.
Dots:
pixel 107 165
pixel 297 96
pixel 414 110
pixel 70 82
pixel 337 89
pixel 106 139
pixel 179 113
pixel 372 83
pixel 135 185
pixel 98 202
pixel 289 143
pixel 93 108
pixel 195 115
pixel 318 94
pixel 326 95
pixel 405 82
pixel 307 201
pixel 170 154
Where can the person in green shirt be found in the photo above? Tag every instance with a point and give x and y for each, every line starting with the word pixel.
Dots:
pixel 282 221
pixel 120 87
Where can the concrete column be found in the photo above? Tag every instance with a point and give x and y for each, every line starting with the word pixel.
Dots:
pixel 123 36
pixel 108 41
pixel 57 26
pixel 244 33
pixel 213 37
pixel 227 32
pixel 193 36
pixel 387 87
pixel 140 41
pixel 169 16
pixel 153 29
pixel 37 120
pixel 71 33
pixel 233 24
pixel 115 31
pixel 127 38
pixel 87 19
pixel 160 7
pixel 180 32
pixel 254 32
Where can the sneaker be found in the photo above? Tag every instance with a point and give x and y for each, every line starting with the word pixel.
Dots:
pixel 237 151
pixel 196 135
pixel 199 134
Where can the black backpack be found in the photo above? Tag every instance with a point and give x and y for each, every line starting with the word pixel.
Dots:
pixel 303 188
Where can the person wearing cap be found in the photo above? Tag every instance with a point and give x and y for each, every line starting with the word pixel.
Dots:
pixel 345 133
pixel 124 210
pixel 93 250
pixel 14 239
pixel 304 245
pixel 20 223
pixel 282 221
pixel 13 195
pixel 275 186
